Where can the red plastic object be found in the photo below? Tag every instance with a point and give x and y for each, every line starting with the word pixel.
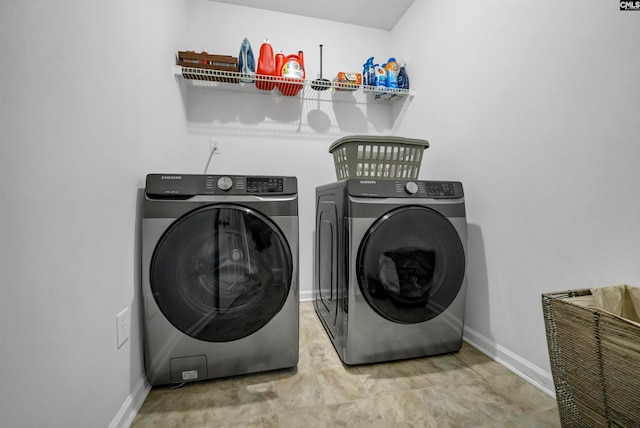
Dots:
pixel 266 67
pixel 291 69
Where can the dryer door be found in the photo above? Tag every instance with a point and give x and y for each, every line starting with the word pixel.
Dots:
pixel 411 264
pixel 327 282
pixel 221 272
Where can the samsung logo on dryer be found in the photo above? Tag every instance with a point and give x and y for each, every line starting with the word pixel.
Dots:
pixel 170 177
pixel 368 181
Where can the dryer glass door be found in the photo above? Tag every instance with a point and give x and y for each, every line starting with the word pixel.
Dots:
pixel 411 264
pixel 221 272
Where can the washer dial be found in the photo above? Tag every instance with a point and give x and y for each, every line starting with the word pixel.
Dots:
pixel 225 183
pixel 411 187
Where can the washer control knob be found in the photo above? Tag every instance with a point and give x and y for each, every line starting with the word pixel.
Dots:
pixel 225 183
pixel 411 187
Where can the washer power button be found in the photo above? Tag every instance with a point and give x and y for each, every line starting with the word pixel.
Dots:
pixel 411 187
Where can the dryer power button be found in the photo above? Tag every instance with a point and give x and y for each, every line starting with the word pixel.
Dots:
pixel 411 187
pixel 225 183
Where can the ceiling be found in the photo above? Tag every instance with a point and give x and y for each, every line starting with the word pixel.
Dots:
pixel 381 14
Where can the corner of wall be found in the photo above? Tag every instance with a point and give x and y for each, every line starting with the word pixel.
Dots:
pixel 528 371
pixel 131 405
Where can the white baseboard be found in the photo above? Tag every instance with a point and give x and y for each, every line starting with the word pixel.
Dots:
pixel 306 296
pixel 533 374
pixel 131 405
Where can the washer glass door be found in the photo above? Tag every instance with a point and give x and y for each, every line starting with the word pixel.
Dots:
pixel 221 272
pixel 410 264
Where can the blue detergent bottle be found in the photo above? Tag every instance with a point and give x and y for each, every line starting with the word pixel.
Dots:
pixel 403 78
pixel 392 69
pixel 369 73
pixel 381 75
pixel 365 73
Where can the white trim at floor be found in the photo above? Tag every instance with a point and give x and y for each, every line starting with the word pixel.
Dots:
pixel 131 405
pixel 533 374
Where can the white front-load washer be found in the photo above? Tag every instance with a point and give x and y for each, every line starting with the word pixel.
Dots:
pixel 390 259
pixel 219 276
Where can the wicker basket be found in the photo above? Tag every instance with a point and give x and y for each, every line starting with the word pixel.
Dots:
pixel 365 156
pixel 595 356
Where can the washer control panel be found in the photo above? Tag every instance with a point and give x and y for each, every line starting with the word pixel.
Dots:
pixel 265 184
pixel 405 188
pixel 441 189
pixel 184 186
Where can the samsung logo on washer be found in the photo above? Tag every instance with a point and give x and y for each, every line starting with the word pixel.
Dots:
pixel 368 181
pixel 170 177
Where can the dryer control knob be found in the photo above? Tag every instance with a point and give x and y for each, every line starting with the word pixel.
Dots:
pixel 411 187
pixel 225 183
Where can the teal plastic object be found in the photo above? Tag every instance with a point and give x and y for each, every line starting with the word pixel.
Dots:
pixel 246 62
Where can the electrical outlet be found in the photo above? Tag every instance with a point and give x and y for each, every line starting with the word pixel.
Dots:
pixel 123 321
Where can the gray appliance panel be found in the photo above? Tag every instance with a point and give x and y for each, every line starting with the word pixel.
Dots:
pixel 364 335
pixel 329 253
pixel 274 346
pixel 372 338
pixel 182 186
pixel 404 188
pixel 270 206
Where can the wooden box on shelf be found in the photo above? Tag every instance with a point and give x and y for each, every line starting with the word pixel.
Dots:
pixel 217 68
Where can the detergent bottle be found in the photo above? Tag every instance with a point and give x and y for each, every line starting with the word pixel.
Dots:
pixel 403 77
pixel 266 67
pixel 381 75
pixel 368 73
pixel 365 74
pixel 291 68
pixel 392 69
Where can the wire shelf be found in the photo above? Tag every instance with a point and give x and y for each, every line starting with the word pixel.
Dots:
pixel 307 89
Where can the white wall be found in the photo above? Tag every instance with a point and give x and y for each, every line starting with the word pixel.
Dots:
pixel 88 106
pixel 260 134
pixel 534 106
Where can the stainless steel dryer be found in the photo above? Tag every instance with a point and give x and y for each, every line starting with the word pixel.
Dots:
pixel 390 268
pixel 219 276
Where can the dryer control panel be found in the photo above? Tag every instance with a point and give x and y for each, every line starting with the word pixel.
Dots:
pixel 405 188
pixel 184 186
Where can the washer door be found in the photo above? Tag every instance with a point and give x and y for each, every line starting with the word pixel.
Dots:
pixel 410 264
pixel 221 272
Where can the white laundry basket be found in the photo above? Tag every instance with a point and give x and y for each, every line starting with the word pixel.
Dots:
pixel 381 157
